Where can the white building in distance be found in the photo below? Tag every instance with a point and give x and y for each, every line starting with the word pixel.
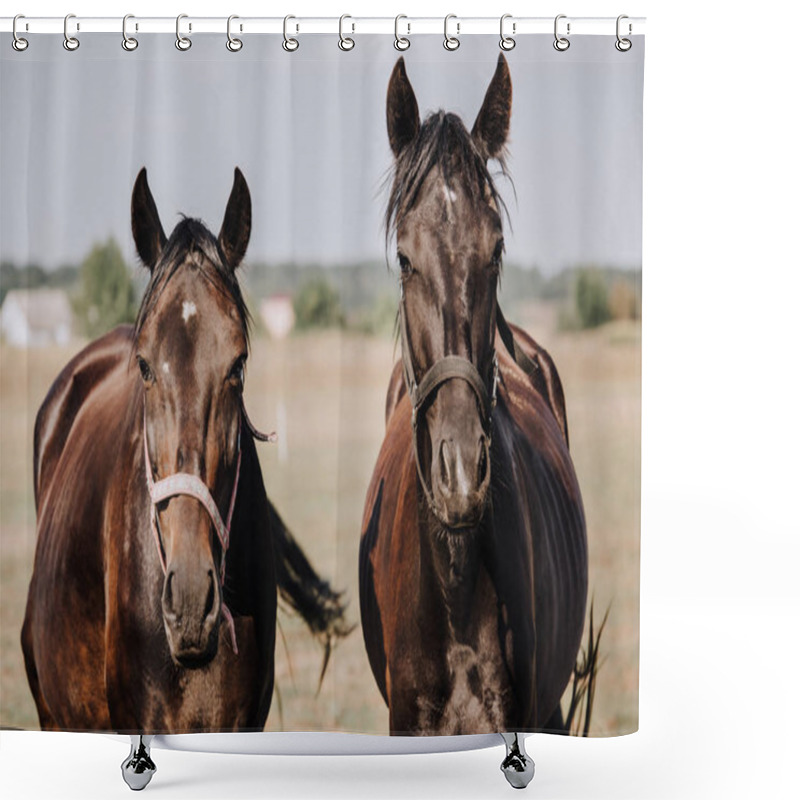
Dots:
pixel 277 314
pixel 36 317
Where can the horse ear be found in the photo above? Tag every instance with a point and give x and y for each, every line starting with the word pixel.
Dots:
pixel 235 232
pixel 147 231
pixel 402 113
pixel 490 130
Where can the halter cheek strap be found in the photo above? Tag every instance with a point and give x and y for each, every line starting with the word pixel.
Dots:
pixel 183 483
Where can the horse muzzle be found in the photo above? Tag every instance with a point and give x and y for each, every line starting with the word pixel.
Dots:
pixel 459 457
pixel 459 482
pixel 191 606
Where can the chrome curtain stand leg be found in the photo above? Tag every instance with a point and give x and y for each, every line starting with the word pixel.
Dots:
pixel 138 768
pixel 517 766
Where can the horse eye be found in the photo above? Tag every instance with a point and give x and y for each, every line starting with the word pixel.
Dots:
pixel 497 256
pixel 144 368
pixel 405 264
pixel 236 374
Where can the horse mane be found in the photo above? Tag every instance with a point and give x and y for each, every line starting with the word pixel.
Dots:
pixel 191 236
pixel 442 141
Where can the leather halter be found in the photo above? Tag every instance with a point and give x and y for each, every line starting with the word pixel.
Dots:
pixel 449 368
pixel 184 483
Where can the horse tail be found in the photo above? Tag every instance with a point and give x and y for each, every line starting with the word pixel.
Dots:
pixel 321 607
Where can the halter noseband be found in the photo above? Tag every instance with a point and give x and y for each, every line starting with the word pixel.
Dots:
pixel 184 483
pixel 445 369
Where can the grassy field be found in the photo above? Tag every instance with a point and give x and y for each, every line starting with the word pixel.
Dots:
pixel 325 391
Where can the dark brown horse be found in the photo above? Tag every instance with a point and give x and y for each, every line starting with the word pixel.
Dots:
pixel 151 607
pixel 473 564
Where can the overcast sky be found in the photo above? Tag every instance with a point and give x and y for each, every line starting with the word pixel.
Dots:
pixel 308 131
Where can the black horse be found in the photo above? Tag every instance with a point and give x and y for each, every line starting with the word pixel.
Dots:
pixel 473 562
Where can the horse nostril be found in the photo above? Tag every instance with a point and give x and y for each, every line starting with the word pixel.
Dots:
pixel 168 595
pixel 210 597
pixel 445 473
pixel 483 462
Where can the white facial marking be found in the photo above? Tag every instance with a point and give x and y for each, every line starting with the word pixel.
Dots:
pixel 165 367
pixel 189 310
pixel 449 198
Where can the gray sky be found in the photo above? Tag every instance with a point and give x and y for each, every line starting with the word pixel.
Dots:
pixel 308 131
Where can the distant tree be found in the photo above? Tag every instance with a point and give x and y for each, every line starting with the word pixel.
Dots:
pixel 106 293
pixel 33 276
pixel 317 305
pixel 591 299
pixel 623 302
pixel 377 319
pixel 8 279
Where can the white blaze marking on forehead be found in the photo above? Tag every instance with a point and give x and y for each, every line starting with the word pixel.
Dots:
pixel 449 195
pixel 188 310
pixel 165 367
pixel 449 198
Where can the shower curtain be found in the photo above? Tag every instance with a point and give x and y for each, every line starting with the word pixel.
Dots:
pixel 421 269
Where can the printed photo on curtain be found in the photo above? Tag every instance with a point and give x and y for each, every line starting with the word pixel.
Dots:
pixel 419 273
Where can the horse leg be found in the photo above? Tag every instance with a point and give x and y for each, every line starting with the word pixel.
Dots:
pixel 138 768
pixel 47 721
pixel 517 766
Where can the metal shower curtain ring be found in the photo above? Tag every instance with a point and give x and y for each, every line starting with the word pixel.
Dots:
pixel 346 43
pixel 507 42
pixel 233 44
pixel 129 43
pixel 17 42
pixel 623 45
pixel 183 43
pixel 289 44
pixel 70 42
pixel 401 42
pixel 561 43
pixel 451 42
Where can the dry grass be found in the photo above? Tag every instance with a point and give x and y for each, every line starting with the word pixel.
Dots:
pixel 331 386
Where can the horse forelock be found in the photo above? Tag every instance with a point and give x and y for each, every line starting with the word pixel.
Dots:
pixel 191 238
pixel 444 142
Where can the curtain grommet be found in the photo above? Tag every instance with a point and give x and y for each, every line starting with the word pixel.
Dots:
pixel 71 43
pixel 561 43
pixel 129 43
pixel 622 44
pixel 233 44
pixel 401 43
pixel 346 43
pixel 183 43
pixel 289 43
pixel 451 43
pixel 18 42
pixel 507 42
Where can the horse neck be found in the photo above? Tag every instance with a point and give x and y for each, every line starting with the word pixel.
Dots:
pixel 450 566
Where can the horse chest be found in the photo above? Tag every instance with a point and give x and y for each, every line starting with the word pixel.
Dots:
pixel 221 695
pixel 479 692
pixel 473 693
